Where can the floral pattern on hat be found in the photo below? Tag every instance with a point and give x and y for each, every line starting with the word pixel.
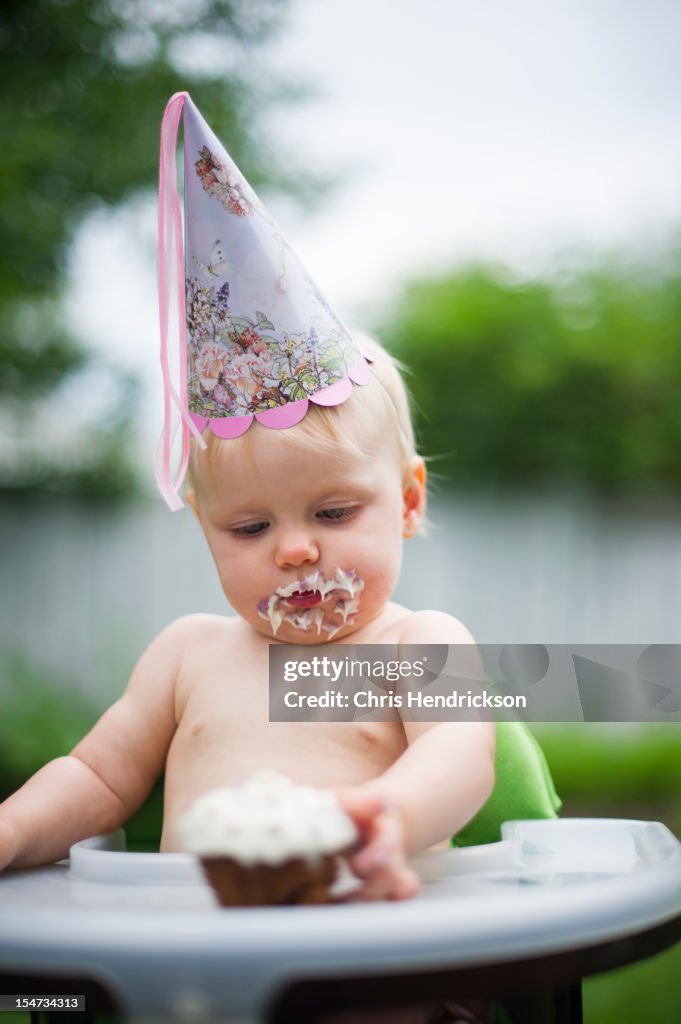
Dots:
pixel 240 365
pixel 223 183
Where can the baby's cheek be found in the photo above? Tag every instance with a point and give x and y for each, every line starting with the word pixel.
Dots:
pixel 379 582
pixel 239 591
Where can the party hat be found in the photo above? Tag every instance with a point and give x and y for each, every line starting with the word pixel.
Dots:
pixel 256 338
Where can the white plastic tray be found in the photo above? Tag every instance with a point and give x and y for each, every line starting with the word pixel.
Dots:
pixel 148 925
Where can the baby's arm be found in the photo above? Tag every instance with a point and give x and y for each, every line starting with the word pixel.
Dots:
pixel 431 791
pixel 108 775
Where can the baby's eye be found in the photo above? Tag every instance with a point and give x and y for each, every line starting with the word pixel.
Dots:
pixel 249 530
pixel 337 515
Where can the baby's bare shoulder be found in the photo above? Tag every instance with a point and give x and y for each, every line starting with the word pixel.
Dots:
pixel 184 637
pixel 433 627
pixel 193 645
pixel 198 630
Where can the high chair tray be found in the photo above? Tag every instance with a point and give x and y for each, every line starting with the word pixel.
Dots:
pixel 149 926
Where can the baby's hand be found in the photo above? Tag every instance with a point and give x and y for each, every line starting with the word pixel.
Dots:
pixel 381 861
pixel 8 845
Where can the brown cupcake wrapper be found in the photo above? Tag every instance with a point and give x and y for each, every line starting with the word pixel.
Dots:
pixel 295 882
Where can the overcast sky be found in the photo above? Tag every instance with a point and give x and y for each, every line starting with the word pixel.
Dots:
pixel 509 131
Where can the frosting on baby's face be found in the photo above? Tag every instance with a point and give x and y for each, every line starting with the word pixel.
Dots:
pixel 315 602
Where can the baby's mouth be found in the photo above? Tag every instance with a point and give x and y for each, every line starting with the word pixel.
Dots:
pixel 315 602
pixel 304 598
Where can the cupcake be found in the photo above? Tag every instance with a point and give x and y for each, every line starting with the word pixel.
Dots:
pixel 268 841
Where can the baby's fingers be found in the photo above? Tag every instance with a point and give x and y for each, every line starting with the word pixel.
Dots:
pixel 386 842
pixel 363 806
pixel 390 883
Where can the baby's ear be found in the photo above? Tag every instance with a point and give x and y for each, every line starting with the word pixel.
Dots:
pixel 413 496
pixel 191 499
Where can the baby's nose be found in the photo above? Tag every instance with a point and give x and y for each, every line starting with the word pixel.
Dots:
pixel 295 548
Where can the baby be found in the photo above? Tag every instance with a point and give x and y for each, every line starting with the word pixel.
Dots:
pixel 306 527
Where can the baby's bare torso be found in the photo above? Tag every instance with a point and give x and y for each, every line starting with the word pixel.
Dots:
pixel 223 729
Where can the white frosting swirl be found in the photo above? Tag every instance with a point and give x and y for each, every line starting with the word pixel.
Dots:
pixel 266 820
pixel 344 588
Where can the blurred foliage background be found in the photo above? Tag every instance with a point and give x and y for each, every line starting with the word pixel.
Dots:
pixel 573 378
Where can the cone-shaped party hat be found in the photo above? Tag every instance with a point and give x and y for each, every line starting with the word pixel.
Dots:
pixel 257 339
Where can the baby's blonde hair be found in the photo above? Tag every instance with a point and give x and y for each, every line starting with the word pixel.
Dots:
pixel 348 425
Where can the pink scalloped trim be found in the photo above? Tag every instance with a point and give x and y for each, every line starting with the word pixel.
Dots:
pixel 283 416
pixel 228 427
pixel 288 415
pixel 200 422
pixel 360 373
pixel 334 394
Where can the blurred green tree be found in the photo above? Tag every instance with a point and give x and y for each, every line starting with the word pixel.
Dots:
pixel 571 380
pixel 83 84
